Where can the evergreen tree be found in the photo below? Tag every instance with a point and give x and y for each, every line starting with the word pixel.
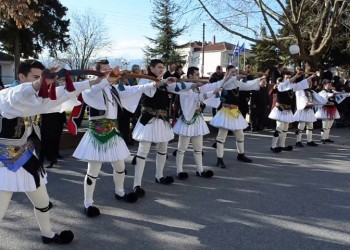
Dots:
pixel 164 48
pixel 49 30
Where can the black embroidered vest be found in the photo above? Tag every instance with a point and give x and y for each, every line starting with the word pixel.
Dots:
pixel 285 97
pixel 231 96
pixel 12 128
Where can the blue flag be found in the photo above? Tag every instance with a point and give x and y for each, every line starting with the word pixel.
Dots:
pixel 235 53
pixel 241 48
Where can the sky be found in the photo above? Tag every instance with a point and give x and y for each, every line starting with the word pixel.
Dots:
pixel 128 22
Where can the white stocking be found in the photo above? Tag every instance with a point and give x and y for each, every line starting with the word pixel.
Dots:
pixel 181 149
pixel 329 126
pixel 283 136
pixel 161 158
pixel 141 156
pixel 119 176
pixel 5 198
pixel 197 143
pixel 276 134
pixel 220 141
pixel 301 127
pixel 239 140
pixel 309 128
pixel 90 182
pixel 40 200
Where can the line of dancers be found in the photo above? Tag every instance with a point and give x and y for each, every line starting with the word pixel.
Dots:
pixel 22 171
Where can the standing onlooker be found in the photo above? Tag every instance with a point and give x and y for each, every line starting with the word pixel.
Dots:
pixel 215 77
pixel 279 72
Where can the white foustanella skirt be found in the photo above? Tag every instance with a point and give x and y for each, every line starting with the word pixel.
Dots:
pixel 227 119
pixel 282 116
pixel 198 127
pixel 322 114
pixel 305 115
pixel 156 130
pixel 19 181
pixel 90 149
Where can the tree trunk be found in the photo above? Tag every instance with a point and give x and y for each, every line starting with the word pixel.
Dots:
pixel 17 53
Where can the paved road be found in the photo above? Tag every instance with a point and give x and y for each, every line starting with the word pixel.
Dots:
pixel 297 200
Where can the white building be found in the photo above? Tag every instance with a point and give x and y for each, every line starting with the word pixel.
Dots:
pixel 214 54
pixel 7 68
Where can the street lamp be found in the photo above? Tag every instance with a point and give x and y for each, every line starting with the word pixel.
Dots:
pixel 125 63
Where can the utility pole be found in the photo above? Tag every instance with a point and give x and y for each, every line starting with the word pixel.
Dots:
pixel 203 49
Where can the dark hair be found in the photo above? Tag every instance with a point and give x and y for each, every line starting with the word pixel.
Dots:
pixel 26 66
pixel 191 70
pixel 280 65
pixel 218 67
pixel 229 67
pixel 154 62
pixel 135 66
pixel 178 67
pixel 99 63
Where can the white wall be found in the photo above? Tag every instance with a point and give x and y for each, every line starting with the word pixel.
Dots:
pixel 7 70
pixel 211 60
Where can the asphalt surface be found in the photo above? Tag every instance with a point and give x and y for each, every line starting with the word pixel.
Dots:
pixel 291 200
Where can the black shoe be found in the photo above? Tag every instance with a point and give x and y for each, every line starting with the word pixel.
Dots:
pixel 276 150
pixel 92 211
pixel 220 163
pixel 130 197
pixel 312 144
pixel 65 237
pixel 167 180
pixel 323 141
pixel 139 192
pixel 182 175
pixel 299 144
pixel 205 174
pixel 330 141
pixel 288 148
pixel 243 158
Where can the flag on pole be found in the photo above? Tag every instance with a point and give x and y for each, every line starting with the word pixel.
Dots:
pixel 235 53
pixel 241 49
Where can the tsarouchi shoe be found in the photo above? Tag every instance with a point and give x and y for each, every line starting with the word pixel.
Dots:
pixel 205 174
pixel 65 237
pixel 130 197
pixel 91 211
pixel 139 192
pixel 167 180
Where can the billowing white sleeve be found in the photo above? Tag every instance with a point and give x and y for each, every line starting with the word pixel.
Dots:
pixel 23 101
pixel 249 85
pixel 318 99
pixel 212 86
pixel 99 87
pixel 148 92
pixel 131 95
pixel 301 99
pixel 325 94
pixel 180 88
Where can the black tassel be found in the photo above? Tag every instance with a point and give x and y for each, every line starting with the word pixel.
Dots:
pixel 177 89
pixel 88 181
pixel 214 145
pixel 175 152
pixel 183 85
pixel 133 162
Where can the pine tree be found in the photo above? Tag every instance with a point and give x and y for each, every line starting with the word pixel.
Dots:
pixel 164 48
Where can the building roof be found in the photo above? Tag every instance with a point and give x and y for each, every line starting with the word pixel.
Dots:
pixel 6 57
pixel 209 47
